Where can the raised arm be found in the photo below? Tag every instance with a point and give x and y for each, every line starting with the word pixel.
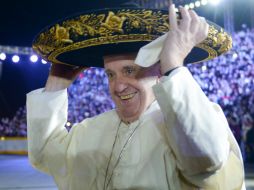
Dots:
pixel 197 128
pixel 46 119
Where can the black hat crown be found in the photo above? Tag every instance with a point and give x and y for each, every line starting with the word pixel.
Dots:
pixel 84 39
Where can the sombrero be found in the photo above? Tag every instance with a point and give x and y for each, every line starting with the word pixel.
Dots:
pixel 84 39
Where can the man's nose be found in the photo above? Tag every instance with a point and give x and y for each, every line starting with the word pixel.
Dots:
pixel 120 84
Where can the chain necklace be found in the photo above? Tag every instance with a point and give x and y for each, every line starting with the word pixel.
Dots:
pixel 105 186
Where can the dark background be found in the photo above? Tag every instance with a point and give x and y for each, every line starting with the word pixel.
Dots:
pixel 20 21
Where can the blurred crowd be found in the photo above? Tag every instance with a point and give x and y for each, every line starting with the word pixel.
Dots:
pixel 227 80
pixel 89 95
pixel 16 126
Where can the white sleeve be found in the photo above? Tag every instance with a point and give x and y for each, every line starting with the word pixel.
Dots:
pixel 46 118
pixel 197 128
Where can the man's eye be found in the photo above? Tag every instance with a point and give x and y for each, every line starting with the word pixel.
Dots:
pixel 129 71
pixel 110 75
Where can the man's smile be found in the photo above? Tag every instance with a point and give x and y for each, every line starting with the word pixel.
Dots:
pixel 127 96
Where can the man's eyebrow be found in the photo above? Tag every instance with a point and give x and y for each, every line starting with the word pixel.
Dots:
pixel 107 70
pixel 130 66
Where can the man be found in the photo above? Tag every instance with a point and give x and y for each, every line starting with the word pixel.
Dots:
pixel 163 134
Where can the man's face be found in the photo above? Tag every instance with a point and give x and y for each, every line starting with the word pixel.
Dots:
pixel 130 85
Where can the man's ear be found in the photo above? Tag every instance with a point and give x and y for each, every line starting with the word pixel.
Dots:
pixel 157 69
pixel 152 71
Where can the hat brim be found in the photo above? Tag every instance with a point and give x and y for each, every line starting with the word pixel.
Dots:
pixel 84 39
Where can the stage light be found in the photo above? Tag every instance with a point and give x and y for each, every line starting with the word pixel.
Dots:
pixel 187 6
pixel 214 2
pixel 191 5
pixel 197 3
pixel 204 2
pixel 235 56
pixel 34 58
pixel 68 124
pixel 2 56
pixel 43 61
pixel 15 59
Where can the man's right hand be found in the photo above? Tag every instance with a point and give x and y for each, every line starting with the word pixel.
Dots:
pixel 61 76
pixel 183 35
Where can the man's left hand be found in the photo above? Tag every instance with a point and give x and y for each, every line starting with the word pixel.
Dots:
pixel 182 37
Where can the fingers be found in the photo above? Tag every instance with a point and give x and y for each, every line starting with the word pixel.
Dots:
pixel 206 25
pixel 190 19
pixel 193 23
pixel 65 71
pixel 184 34
pixel 198 25
pixel 194 16
pixel 204 28
pixel 172 17
pixel 186 18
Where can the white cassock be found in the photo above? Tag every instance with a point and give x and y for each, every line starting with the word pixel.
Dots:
pixel 181 142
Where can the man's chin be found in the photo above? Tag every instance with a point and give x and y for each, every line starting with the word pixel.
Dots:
pixel 128 118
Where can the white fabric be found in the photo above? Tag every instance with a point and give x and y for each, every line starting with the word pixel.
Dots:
pixel 150 53
pixel 181 142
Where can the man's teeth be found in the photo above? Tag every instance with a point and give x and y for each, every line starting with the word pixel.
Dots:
pixel 125 97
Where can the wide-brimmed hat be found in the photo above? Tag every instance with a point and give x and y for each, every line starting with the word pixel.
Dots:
pixel 84 39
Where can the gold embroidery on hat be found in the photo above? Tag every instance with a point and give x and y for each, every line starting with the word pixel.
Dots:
pixel 62 34
pixel 99 41
pixel 114 22
pixel 219 40
pixel 117 27
pixel 92 27
pixel 212 53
